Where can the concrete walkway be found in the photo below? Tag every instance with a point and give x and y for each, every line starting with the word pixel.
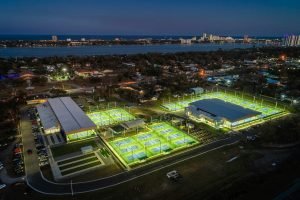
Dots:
pixel 5 178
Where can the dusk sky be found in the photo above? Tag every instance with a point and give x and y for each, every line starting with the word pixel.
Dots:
pixel 151 17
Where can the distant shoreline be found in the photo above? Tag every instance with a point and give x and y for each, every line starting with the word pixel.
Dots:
pixel 34 37
pixel 118 49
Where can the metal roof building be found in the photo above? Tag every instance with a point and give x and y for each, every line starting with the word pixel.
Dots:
pixel 217 110
pixel 133 124
pixel 65 112
pixel 48 118
pixel 70 116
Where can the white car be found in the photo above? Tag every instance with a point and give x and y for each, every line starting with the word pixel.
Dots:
pixel 41 164
pixel 173 174
pixel 2 186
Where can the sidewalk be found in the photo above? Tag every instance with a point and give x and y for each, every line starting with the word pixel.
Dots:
pixel 5 178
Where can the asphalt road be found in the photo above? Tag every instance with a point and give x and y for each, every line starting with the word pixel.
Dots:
pixel 37 182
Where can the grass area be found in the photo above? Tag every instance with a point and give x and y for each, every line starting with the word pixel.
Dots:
pixel 80 162
pixel 109 117
pixel 161 138
pixel 72 147
pixel 76 169
pixel 74 159
pixel 104 152
pixel 205 177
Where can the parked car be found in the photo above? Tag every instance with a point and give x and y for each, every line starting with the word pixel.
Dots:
pixel 43 158
pixel 42 164
pixel 2 186
pixel 173 175
pixel 29 151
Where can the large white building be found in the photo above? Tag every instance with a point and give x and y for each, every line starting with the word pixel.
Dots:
pixel 219 114
pixel 292 41
pixel 63 115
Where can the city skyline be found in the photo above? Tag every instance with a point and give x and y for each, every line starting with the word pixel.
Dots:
pixel 236 18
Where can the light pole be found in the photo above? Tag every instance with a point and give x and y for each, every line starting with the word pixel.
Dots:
pixel 132 153
pixel 72 188
pixel 160 146
pixel 145 146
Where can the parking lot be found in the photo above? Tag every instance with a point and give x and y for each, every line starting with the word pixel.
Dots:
pixel 38 139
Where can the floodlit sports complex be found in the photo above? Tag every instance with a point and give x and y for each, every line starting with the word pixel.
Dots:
pixel 110 117
pixel 154 140
pixel 114 137
pixel 159 139
pixel 133 141
pixel 223 110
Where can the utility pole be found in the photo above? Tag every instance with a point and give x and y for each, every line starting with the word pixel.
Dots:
pixel 72 188
pixel 160 145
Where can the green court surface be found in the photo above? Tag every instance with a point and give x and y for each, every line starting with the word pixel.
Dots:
pixel 266 110
pixel 109 117
pixel 161 139
pixel 180 104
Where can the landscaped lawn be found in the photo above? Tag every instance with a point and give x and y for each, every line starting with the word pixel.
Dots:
pixel 80 168
pixel 76 158
pixel 92 159
pixel 72 147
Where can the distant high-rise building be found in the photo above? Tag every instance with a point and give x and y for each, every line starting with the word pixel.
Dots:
pixel 291 40
pixel 185 41
pixel 54 38
pixel 246 39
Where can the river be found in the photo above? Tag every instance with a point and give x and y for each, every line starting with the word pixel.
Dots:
pixel 115 49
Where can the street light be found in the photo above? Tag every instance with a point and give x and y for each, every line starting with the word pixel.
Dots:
pixel 160 146
pixel 132 153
